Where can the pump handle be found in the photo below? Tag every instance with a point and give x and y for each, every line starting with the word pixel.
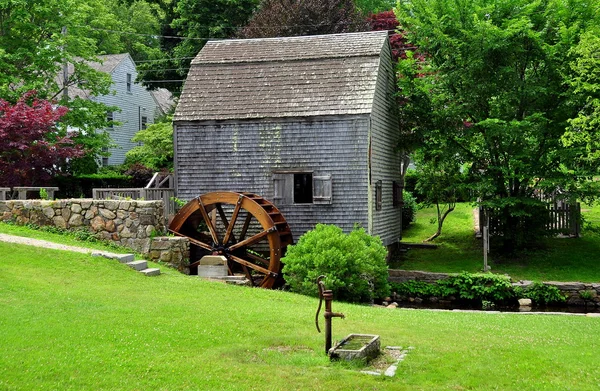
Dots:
pixel 321 288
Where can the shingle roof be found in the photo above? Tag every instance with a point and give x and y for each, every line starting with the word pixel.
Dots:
pixel 283 77
pixel 108 62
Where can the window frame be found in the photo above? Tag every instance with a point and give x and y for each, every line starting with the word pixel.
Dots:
pixel 284 188
pixel 378 195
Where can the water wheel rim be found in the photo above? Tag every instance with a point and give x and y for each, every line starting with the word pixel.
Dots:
pixel 255 206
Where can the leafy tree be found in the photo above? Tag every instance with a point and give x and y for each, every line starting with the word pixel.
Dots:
pixel 441 183
pixel 491 95
pixel 374 6
pixel 32 149
pixel 156 152
pixel 287 18
pixel 196 21
pixel 34 49
pixel 585 84
pixel 386 20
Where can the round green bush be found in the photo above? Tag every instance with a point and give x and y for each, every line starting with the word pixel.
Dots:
pixel 353 264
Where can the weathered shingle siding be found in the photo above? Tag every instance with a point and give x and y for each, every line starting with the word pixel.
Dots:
pixel 135 104
pixel 242 155
pixel 385 160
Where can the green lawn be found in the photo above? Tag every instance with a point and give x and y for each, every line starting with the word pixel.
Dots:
pixel 69 321
pixel 570 259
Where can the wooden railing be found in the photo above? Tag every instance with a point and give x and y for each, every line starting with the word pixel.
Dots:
pixel 165 195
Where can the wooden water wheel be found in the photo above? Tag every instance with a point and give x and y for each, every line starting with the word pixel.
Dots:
pixel 244 227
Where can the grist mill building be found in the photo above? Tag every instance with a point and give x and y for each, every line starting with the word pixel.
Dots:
pixel 309 123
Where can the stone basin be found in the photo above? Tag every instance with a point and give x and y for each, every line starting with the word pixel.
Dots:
pixel 356 347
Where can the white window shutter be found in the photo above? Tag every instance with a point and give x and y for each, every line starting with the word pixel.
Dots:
pixel 322 193
pixel 283 187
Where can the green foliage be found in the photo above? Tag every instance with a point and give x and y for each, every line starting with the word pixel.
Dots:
pixel 586 295
pixel 156 152
pixel 78 185
pixel 414 288
pixel 43 194
pixel 409 209
pixel 368 7
pixel 543 294
pixel 354 264
pixel 489 95
pixel 480 286
pixel 585 85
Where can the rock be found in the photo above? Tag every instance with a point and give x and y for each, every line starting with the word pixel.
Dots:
pixel 48 212
pixel 66 213
pixel 76 220
pixel 418 300
pixel 60 222
pixel 111 205
pixel 107 214
pixel 384 303
pixel 392 305
pixel 97 224
pixel 110 226
pixel 525 302
pixel 76 208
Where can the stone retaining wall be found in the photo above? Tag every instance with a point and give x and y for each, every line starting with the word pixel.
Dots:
pixel 175 251
pixel 573 290
pixel 127 223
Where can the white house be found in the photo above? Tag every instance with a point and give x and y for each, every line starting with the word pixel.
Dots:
pixel 138 106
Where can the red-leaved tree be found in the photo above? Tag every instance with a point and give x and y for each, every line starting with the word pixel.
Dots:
pixel 32 150
pixel 386 20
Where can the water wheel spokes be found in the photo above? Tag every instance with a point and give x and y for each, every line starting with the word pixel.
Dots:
pixel 250 233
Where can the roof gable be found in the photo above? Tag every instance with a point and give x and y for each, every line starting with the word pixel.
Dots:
pixel 109 62
pixel 283 77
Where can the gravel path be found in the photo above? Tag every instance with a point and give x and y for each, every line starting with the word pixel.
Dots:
pixel 43 243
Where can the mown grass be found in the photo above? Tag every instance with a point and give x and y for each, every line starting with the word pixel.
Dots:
pixel 69 321
pixel 558 259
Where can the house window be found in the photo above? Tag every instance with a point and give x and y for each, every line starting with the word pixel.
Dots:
pixel 396 194
pixel 104 158
pixel 301 188
pixel 110 117
pixel 144 123
pixel 378 197
pixel 129 82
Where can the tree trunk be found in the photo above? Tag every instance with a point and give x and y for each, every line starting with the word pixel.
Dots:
pixel 440 220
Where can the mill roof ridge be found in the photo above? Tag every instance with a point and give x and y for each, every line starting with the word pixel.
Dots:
pixel 291 48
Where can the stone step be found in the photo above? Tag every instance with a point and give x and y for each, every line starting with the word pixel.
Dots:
pixel 138 265
pixel 123 258
pixel 151 272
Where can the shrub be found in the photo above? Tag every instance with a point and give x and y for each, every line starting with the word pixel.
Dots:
pixel 480 286
pixel 414 288
pixel 353 264
pixel 140 174
pixel 409 209
pixel 544 294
